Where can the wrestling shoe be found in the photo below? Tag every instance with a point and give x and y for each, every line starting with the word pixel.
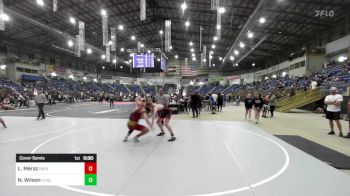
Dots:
pixel 161 133
pixel 173 138
pixel 331 133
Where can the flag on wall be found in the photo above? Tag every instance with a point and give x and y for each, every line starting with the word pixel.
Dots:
pixel 59 69
pixel 186 71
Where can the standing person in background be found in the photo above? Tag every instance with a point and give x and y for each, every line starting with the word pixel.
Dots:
pixel 220 102
pixel 258 103
pixel 21 100
pixel 348 135
pixel 111 100
pixel 248 103
pixel 40 100
pixel 333 102
pixel 272 103
pixel 213 102
pixel 195 99
pixel 266 106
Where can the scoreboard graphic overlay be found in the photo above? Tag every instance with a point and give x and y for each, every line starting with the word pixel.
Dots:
pixel 56 169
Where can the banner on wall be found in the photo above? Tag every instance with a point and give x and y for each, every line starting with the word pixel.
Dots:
pixel 234 79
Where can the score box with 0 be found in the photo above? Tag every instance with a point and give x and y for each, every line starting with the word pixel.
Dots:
pixel 56 169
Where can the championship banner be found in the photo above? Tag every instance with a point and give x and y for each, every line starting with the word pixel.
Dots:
pixel 77 46
pixel 2 20
pixel 167 36
pixel 113 39
pixel 218 24
pixel 214 4
pixel 105 30
pixel 142 10
pixel 82 35
pixel 108 53
pixel 54 5
pixel 205 55
pixel 209 58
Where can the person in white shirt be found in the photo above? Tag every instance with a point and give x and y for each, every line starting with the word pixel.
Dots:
pixel 333 102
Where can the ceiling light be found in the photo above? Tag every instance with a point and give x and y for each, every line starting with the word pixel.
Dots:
pixel 95 80
pixel 250 35
pixel 210 57
pixel 218 26
pixel 262 20
pixel 70 43
pixel 241 44
pixel 103 56
pixel 191 43
pixel 131 55
pixel 213 65
pixel 72 20
pixel 161 32
pixel 71 76
pixel 220 58
pixel 204 60
pixel 176 56
pixel 149 51
pixel 121 27
pixel 121 67
pixel 211 52
pixel 236 52
pixel 232 58
pixel 158 59
pixel 192 50
pixel 133 37
pixel 183 6
pixel 171 47
pixel 110 42
pixel 40 2
pixel 130 61
pixel 213 46
pixel 221 10
pixel 84 78
pixel 103 67
pixel 193 55
pixel 142 45
pixel 193 58
pixel 103 12
pixel 215 38
pixel 121 49
pixel 114 61
pixel 253 64
pixel 236 64
pixel 89 51
pixel 187 23
pixel 5 17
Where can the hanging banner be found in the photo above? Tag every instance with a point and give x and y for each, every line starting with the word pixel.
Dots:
pixel 200 37
pixel 204 55
pixel 105 30
pixel 54 5
pixel 138 47
pixel 186 62
pixel 82 35
pixel 167 36
pixel 113 39
pixel 108 53
pixel 214 4
pixel 202 60
pixel 77 46
pixel 218 24
pixel 209 54
pixel 2 21
pixel 142 10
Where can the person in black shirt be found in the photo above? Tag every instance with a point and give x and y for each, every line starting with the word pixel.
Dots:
pixel 195 101
pixel 258 103
pixel 248 102
pixel 220 102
